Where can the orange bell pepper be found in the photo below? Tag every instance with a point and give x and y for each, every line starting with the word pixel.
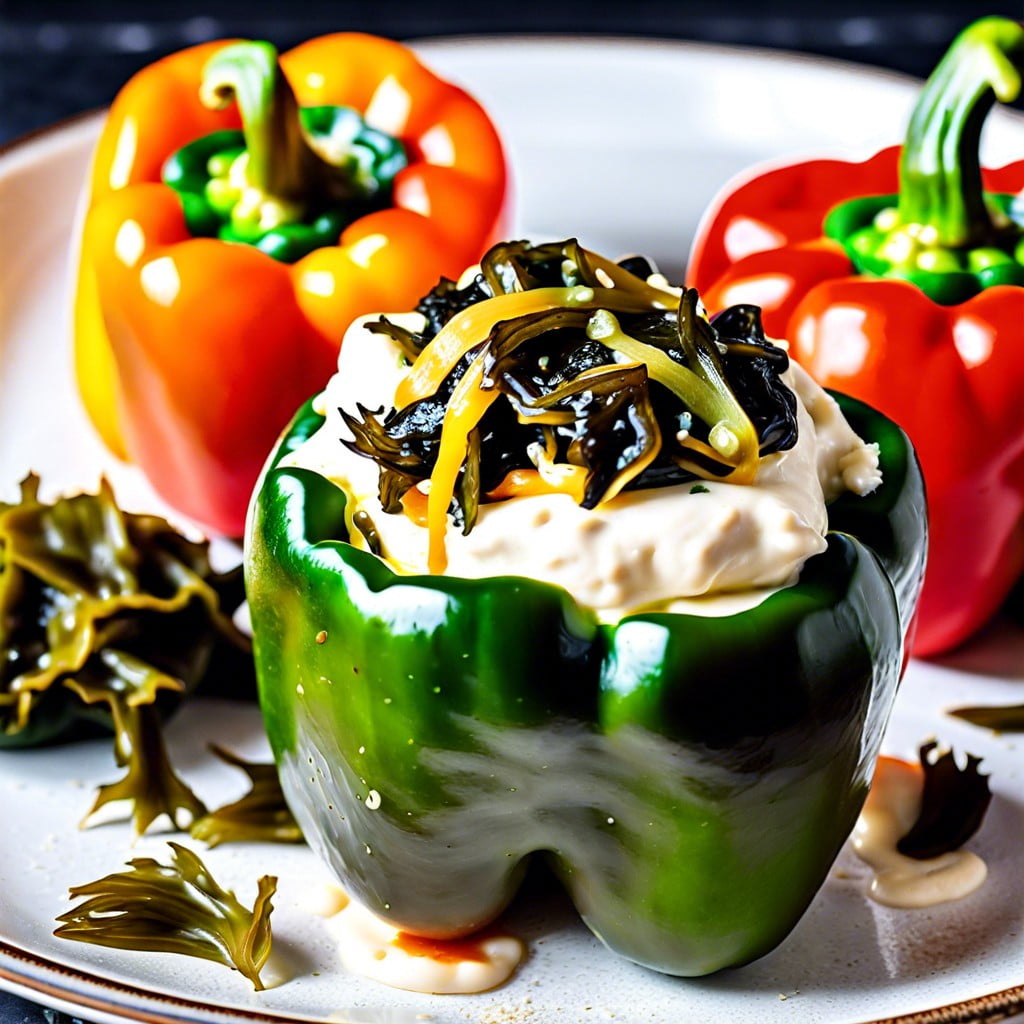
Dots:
pixel 193 352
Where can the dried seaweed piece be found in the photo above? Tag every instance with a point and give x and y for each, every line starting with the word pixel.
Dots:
pixel 953 805
pixel 998 718
pixel 79 576
pixel 441 304
pixel 176 908
pixel 753 365
pixel 260 816
pixel 617 435
pixel 107 619
pixel 519 266
pixel 150 786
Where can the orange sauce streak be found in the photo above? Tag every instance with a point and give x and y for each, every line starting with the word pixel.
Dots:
pixel 447 951
pixel 465 410
pixel 518 483
pixel 523 482
pixel 414 504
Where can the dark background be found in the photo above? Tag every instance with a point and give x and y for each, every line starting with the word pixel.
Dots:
pixel 63 57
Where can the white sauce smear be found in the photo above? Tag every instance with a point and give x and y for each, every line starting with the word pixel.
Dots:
pixel 379 951
pixel 892 807
pixel 644 548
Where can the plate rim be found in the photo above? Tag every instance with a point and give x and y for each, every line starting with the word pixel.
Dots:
pixel 639 41
pixel 51 984
pixel 46 983
pixel 15 146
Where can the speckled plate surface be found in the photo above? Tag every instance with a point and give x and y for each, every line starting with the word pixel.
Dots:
pixel 622 144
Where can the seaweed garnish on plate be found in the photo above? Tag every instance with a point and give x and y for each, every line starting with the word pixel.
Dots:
pixel 108 619
pixel 954 801
pixel 260 815
pixel 175 908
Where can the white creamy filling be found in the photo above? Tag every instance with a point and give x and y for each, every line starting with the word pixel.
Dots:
pixel 663 547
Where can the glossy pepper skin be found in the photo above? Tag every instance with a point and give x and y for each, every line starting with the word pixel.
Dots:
pixel 917 311
pixel 192 352
pixel 690 780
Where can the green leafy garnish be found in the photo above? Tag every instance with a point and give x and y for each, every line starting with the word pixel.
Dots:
pixel 953 805
pixel 150 785
pixel 998 718
pixel 260 816
pixel 107 619
pixel 176 908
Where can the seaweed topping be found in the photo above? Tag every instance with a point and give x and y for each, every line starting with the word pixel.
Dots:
pixel 556 370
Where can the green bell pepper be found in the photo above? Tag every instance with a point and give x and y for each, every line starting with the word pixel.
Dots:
pixel 690 780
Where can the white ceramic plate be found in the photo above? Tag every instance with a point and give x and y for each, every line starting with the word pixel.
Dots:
pixel 623 144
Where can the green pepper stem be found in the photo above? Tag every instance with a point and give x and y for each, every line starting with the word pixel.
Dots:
pixel 940 168
pixel 281 163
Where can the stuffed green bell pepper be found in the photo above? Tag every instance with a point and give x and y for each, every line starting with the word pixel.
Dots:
pixel 556 566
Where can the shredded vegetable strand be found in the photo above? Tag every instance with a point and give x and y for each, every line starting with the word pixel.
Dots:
pixel 701 389
pixel 583 381
pixel 464 331
pixel 466 408
pixel 707 364
pixel 637 465
pixel 469 328
pixel 612 275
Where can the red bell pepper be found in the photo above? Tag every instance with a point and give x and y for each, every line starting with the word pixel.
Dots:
pixel 900 280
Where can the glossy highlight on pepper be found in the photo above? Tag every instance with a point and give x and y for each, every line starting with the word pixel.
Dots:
pixel 901 280
pixel 194 343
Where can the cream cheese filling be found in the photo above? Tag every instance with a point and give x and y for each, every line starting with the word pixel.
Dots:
pixel 666 547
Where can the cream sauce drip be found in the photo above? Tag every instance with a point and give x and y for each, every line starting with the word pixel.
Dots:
pixel 889 813
pixel 377 950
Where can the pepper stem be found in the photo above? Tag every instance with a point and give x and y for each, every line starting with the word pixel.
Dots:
pixel 940 169
pixel 282 175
